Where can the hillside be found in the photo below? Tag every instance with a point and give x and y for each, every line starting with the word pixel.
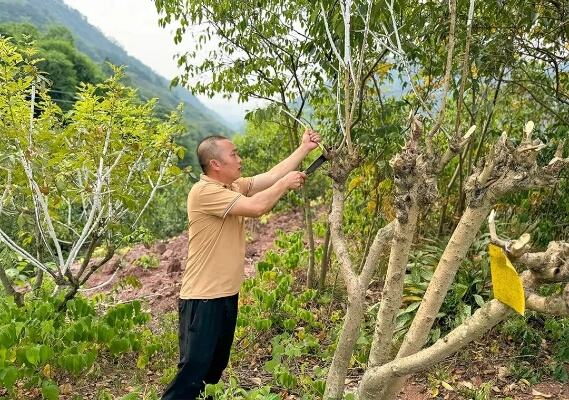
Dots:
pixel 43 13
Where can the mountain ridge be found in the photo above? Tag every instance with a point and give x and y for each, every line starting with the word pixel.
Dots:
pixel 201 121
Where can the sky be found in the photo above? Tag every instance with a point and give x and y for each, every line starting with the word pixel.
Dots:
pixel 133 24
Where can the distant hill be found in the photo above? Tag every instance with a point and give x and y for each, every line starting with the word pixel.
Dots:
pixel 200 120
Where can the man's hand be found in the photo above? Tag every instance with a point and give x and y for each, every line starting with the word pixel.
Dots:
pixel 310 139
pixel 294 179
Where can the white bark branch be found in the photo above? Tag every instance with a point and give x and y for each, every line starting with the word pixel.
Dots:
pixel 448 71
pixel 330 38
pixel 338 239
pixel 4 238
pixel 96 205
pixel 38 197
pixel 154 189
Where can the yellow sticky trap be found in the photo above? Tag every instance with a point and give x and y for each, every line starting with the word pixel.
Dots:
pixel 507 284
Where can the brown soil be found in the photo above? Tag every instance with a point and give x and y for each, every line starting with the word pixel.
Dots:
pixel 160 285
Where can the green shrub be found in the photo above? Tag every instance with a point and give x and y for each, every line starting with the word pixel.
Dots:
pixel 38 343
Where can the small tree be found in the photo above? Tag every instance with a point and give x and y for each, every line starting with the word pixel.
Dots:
pixel 259 53
pixel 76 181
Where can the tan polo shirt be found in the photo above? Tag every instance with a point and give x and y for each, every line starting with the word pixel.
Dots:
pixel 216 252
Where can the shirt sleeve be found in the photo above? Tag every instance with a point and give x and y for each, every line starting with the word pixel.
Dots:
pixel 245 185
pixel 217 200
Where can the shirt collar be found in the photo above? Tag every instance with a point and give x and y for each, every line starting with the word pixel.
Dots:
pixel 206 178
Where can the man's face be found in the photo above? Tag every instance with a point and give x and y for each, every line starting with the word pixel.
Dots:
pixel 229 160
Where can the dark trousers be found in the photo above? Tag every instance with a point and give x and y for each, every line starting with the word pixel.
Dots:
pixel 206 335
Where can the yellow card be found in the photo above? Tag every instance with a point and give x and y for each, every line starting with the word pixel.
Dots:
pixel 507 284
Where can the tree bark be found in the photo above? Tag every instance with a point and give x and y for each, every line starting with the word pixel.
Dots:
pixel 455 251
pixel 357 286
pixel 325 264
pixel 393 286
pixel 18 297
pixel 372 385
pixel 345 347
pixel 311 273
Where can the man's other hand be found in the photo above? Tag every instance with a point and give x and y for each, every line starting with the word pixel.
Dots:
pixel 310 139
pixel 294 179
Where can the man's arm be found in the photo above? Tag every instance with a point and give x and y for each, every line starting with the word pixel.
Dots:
pixel 310 140
pixel 263 201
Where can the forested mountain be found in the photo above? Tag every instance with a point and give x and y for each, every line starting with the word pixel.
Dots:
pixel 200 120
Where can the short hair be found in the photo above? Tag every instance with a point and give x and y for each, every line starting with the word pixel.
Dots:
pixel 208 150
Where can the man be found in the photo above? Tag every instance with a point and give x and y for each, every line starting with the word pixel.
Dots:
pixel 217 205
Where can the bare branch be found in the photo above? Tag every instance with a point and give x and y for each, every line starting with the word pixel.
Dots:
pixel 358 81
pixel 4 238
pixel 96 205
pixel 154 189
pixel 40 203
pixel 330 39
pixel 553 305
pixel 448 72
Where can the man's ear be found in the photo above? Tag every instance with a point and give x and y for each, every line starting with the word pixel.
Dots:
pixel 214 164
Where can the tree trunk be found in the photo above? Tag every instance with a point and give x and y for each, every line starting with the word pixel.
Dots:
pixel 311 273
pixel 325 264
pixel 356 286
pixel 454 253
pixel 335 380
pixel 393 286
pixel 18 297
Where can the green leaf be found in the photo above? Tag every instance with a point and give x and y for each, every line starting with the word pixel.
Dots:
pixel 263 324
pixel 289 324
pixel 45 353
pixel 460 290
pixel 119 345
pixel 142 361
pixel 50 391
pixel 479 300
pixel 8 336
pixel 103 333
pixel 8 376
pixel 33 355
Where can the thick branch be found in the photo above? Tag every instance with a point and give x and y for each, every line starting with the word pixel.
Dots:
pixel 379 246
pixel 553 305
pixel 339 240
pixel 473 328
pixel 4 238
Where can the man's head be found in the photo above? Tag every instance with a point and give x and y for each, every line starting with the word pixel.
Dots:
pixel 219 159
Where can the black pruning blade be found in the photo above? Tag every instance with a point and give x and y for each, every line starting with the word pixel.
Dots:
pixel 315 164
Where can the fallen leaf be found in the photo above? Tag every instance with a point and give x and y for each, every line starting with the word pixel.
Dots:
pixel 503 372
pixel 46 370
pixel 539 394
pixel 467 384
pixel 447 386
pixel 65 388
